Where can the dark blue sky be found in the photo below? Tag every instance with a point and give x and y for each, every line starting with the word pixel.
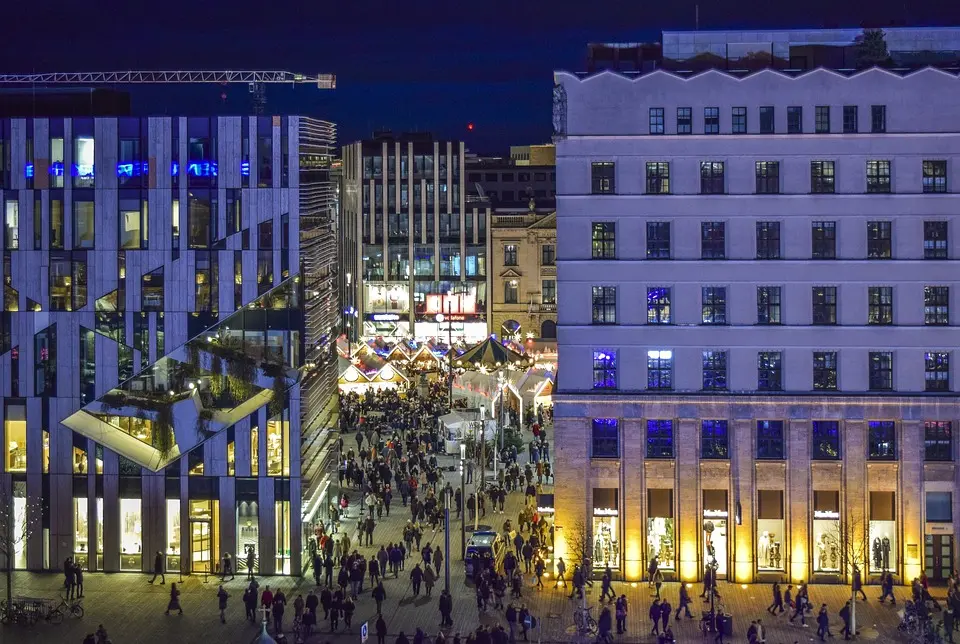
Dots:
pixel 420 64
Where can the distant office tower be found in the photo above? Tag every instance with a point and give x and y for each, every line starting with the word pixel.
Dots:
pixel 166 355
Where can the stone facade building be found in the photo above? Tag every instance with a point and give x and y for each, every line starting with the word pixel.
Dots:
pixel 758 322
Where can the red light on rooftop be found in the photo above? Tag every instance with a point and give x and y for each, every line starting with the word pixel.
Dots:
pixel 470 126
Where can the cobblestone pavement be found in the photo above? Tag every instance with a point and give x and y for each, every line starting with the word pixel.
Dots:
pixel 132 610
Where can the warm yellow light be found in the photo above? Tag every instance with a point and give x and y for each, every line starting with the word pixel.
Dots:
pixel 744 586
pixel 633 584
pixel 689 586
pixel 546 574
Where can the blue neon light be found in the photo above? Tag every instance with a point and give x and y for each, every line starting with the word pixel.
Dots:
pixel 202 168
pixel 83 169
pixel 245 169
pixel 174 169
pixel 56 169
pixel 28 171
pixel 132 169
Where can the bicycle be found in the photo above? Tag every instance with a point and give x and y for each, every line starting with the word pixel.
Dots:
pixel 584 621
pixel 73 609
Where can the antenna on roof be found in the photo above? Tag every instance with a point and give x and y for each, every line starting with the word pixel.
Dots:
pixel 696 18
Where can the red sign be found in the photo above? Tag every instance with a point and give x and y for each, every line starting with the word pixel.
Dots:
pixel 450 304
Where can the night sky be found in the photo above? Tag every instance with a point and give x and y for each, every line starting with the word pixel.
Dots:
pixel 415 65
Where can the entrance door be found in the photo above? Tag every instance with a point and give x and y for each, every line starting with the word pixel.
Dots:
pixel 201 546
pixel 938 557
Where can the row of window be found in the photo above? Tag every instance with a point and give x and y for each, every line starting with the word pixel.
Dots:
pixel 511 254
pixel 823 177
pixel 548 291
pixel 825 441
pixel 507 177
pixel 713 304
pixel 823 240
pixel 766 120
pixel 660 368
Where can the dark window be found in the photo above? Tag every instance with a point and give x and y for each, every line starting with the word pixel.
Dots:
pixel 882 439
pixel 881 371
pixel 656 120
pixel 713 300
pixel 826 440
pixel 511 292
pixel 768 305
pixel 506 176
pixel 510 253
pixel 824 239
pixel 604 370
pixel 604 240
pixel 522 176
pixel 713 439
pixel 794 120
pixel 606 438
pixel 739 120
pixel 604 304
pixel 937 440
pixel 878 118
pixel 659 369
pixel 939 507
pixel 548 291
pixel 936 305
pixel 768 240
pixel 684 120
pixel 767 125
pixel 548 255
pixel 935 240
pixel 822 177
pixel 769 371
pixel 936 370
pixel 934 176
pixel 711 120
pixel 825 370
pixel 878 177
pixel 850 119
pixel 491 177
pixel 879 240
pixel 658 178
pixel 880 305
pixel 711 177
pixel 658 305
pixel 768 177
pixel 659 438
pixel 714 370
pixel 824 304
pixel 822 119
pixel 539 176
pixel 770 439
pixel 712 240
pixel 603 175
pixel 658 240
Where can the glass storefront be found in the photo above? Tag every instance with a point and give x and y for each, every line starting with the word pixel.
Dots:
pixel 99 533
pixel 81 532
pixel 172 550
pixel 15 432
pixel 278 442
pixel 606 528
pixel 248 532
pixel 770 531
pixel 20 524
pixel 386 298
pixel 282 517
pixel 204 535
pixel 131 534
pixel 826 531
pixel 715 530
pixel 882 532
pixel 661 538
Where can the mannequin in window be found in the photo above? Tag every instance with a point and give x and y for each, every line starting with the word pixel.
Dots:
pixel 877 554
pixel 822 551
pixel 764 549
pixel 885 549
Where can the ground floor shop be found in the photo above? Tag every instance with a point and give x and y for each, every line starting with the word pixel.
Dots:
pixel 754 494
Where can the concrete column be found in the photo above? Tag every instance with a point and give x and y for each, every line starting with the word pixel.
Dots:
pixel 911 498
pixel 853 497
pixel 570 456
pixel 799 499
pixel 687 442
pixel 744 491
pixel 631 454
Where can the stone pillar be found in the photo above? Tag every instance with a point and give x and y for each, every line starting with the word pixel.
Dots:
pixel 799 501
pixel 571 461
pixel 744 492
pixel 687 442
pixel 633 502
pixel 854 512
pixel 911 499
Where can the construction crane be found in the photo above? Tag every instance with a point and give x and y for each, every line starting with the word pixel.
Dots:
pixel 256 80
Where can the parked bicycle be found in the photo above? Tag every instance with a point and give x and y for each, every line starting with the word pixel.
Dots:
pixel 584 621
pixel 72 608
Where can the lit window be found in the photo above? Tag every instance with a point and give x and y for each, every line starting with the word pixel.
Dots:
pixel 604 370
pixel 660 369
pixel 605 441
pixel 659 438
pixel 883 440
pixel 714 439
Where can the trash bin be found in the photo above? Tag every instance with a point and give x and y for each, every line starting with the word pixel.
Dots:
pixel 725 624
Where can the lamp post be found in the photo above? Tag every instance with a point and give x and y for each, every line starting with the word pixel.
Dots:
pixel 449 319
pixel 446 538
pixel 463 503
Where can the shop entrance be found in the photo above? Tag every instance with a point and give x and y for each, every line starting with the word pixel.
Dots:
pixel 204 551
pixel 715 531
pixel 938 557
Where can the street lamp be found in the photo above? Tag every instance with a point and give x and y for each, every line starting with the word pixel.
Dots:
pixel 449 319
pixel 463 503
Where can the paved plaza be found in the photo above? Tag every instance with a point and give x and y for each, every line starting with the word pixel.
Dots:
pixel 132 610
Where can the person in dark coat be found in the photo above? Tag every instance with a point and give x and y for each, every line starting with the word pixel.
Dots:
pixel 381 628
pixel 326 600
pixel 446 608
pixel 858 583
pixel 777 600
pixel 78 579
pixel 845 616
pixel 250 604
pixel 379 594
pixel 684 603
pixel 604 624
pixel 158 568
pixel 665 610
pixel 655 617
pixel 222 596
pixel 416 576
pixel 174 603
pixel 823 623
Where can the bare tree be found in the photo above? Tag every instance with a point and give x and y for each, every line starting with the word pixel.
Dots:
pixel 16 526
pixel 578 543
pixel 853 544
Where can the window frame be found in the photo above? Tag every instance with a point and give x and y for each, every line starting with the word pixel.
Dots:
pixel 607 424
pixel 603 178
pixel 936 305
pixel 711 120
pixel 658 243
pixel 714 439
pixel 712 177
pixel 710 246
pixel 823 239
pixel 880 370
pixel 511 254
pixel 657 306
pixel 603 240
pixel 881 440
pixel 770 440
pixel 767 177
pixel 714 362
pixel 768 240
pixel 767 119
pixel 738 120
pixel 660 370
pixel 823 177
pixel 684 120
pixel 936 371
pixel 934 176
pixel 821 119
pixel 851 119
pixel 825 366
pixel 880 239
pixel 878 177
pixel 769 371
pixel 605 370
pixel 657 178
pixel 936 240
pixel 548 258
pixel 937 443
pixel 656 121
pixel 878 119
pixel 880 305
pixel 660 444
pixel 769 302
pixel 824 305
pixel 821 439
pixel 604 304
pixel 713 305
pixel 794 119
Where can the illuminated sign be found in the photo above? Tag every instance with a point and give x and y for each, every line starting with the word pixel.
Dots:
pixel 83 169
pixel 545 510
pixel 131 169
pixel 605 512
pixel 385 317
pixel 826 514
pixel 28 171
pixel 245 169
pixel 715 514
pixel 138 168
pixel 202 168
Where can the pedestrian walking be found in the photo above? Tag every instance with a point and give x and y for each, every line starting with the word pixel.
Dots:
pixel 665 610
pixel 621 610
pixel 845 618
pixel 655 617
pixel 222 602
pixel 174 603
pixel 658 582
pixel 251 561
pixel 777 600
pixel 823 623
pixel 561 573
pixel 858 583
pixel 158 568
pixel 381 628
pixel 446 608
pixel 279 607
pixel 684 602
pixel 227 567
pixel 416 577
pixel 250 604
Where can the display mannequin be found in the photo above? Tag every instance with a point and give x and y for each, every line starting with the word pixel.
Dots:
pixel 877 554
pixel 763 548
pixel 822 551
pixel 885 549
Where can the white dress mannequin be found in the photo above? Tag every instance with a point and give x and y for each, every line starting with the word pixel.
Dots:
pixel 764 549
